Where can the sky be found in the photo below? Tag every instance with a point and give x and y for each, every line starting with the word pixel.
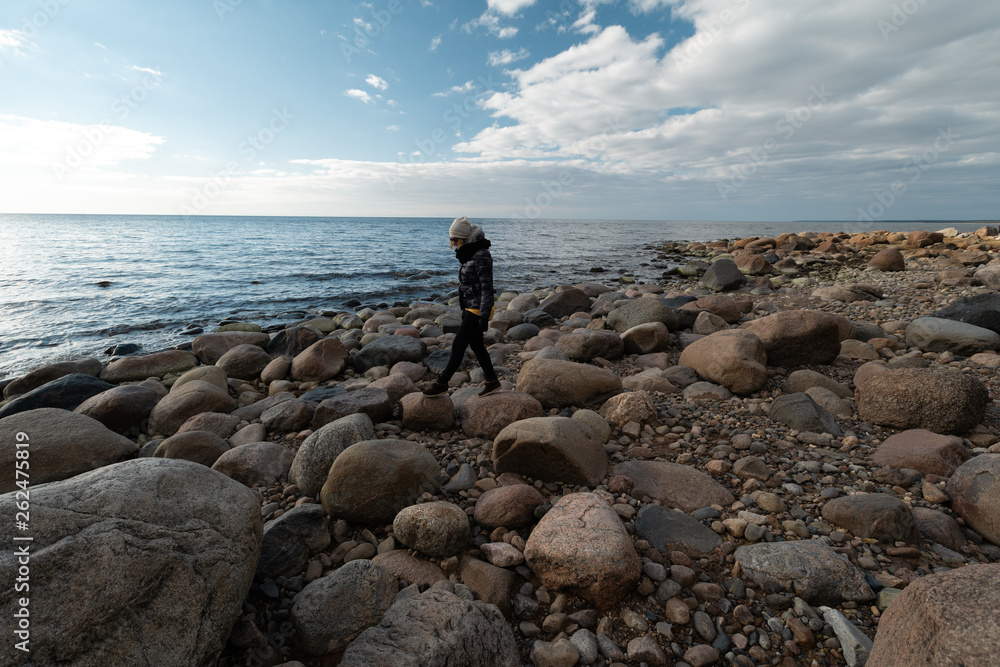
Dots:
pixel 847 110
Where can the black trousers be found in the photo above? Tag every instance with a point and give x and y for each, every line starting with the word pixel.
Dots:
pixel 469 335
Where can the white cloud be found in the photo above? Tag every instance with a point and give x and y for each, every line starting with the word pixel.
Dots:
pixel 376 82
pixel 491 23
pixel 360 95
pixel 506 56
pixel 435 43
pixel 13 41
pixel 508 7
pixel 394 128
pixel 148 70
pixel 466 87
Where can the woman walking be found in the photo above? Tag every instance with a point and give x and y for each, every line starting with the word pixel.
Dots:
pixel 475 297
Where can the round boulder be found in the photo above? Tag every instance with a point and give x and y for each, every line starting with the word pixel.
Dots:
pixel 558 384
pixel 321 361
pixel 244 362
pixel 256 464
pixel 733 358
pixel 196 446
pixel 372 480
pixel 122 409
pixel 974 488
pixel 427 413
pixel 485 416
pixel 509 506
pixel 438 529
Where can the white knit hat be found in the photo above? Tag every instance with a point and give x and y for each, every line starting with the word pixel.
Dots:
pixel 460 229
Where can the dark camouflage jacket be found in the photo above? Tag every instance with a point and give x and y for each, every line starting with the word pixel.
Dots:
pixel 475 276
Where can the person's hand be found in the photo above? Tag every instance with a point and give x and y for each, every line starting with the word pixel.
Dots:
pixel 484 323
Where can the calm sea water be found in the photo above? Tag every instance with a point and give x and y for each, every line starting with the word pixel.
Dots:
pixel 162 273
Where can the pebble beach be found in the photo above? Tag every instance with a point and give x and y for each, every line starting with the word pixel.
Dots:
pixel 784 451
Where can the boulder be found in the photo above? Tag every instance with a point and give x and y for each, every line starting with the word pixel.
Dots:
pixel 409 569
pixel 438 529
pixel 888 259
pixel 427 413
pixel 330 612
pixel 733 358
pixel 210 374
pixel 939 619
pixel 719 305
pixel 588 345
pixel 389 351
pixel 598 424
pixel 804 379
pixel 158 364
pixel 974 489
pixel 489 582
pixel 581 546
pixel 798 337
pixel 809 569
pixel 675 484
pixel 651 380
pixel 670 529
pixel 218 423
pixel 938 527
pixel 50 372
pixel 829 401
pixel 288 416
pixel 875 515
pixel 558 384
pixel 256 464
pixel 396 473
pixel 511 506
pixel 436 629
pixel 196 446
pixel 566 302
pixel 209 348
pixel 314 457
pixel 244 362
pixel 801 412
pixel 292 341
pixel 935 334
pixel 485 416
pixel 552 449
pixel 646 338
pixel 922 450
pixel 291 539
pixel 122 555
pixel 122 409
pixel 191 399
pixel 644 310
pixel 59 443
pixel 723 276
pixel 397 385
pixel 65 393
pixel 633 406
pixel 323 360
pixel 922 239
pixel 370 401
pixel 942 401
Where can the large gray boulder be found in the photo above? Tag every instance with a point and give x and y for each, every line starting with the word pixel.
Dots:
pixel 584 346
pixel 808 568
pixel 158 364
pixel 733 358
pixel 188 400
pixel 943 401
pixel 333 610
pixel 675 484
pixel 936 334
pixel 123 409
pixel 59 443
pixel 145 562
pixel 436 629
pixel 389 351
pixel 372 480
pixel 975 494
pixel 552 449
pixel 942 619
pixel 314 457
pixel 558 384
pixel 643 310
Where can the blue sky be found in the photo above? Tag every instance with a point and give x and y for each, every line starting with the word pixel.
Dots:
pixel 862 110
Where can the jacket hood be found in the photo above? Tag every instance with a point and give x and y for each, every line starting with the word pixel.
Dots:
pixel 466 252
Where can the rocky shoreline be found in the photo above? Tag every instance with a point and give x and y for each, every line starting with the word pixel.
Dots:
pixel 784 450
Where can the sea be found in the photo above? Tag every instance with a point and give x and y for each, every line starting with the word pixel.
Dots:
pixel 74 286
